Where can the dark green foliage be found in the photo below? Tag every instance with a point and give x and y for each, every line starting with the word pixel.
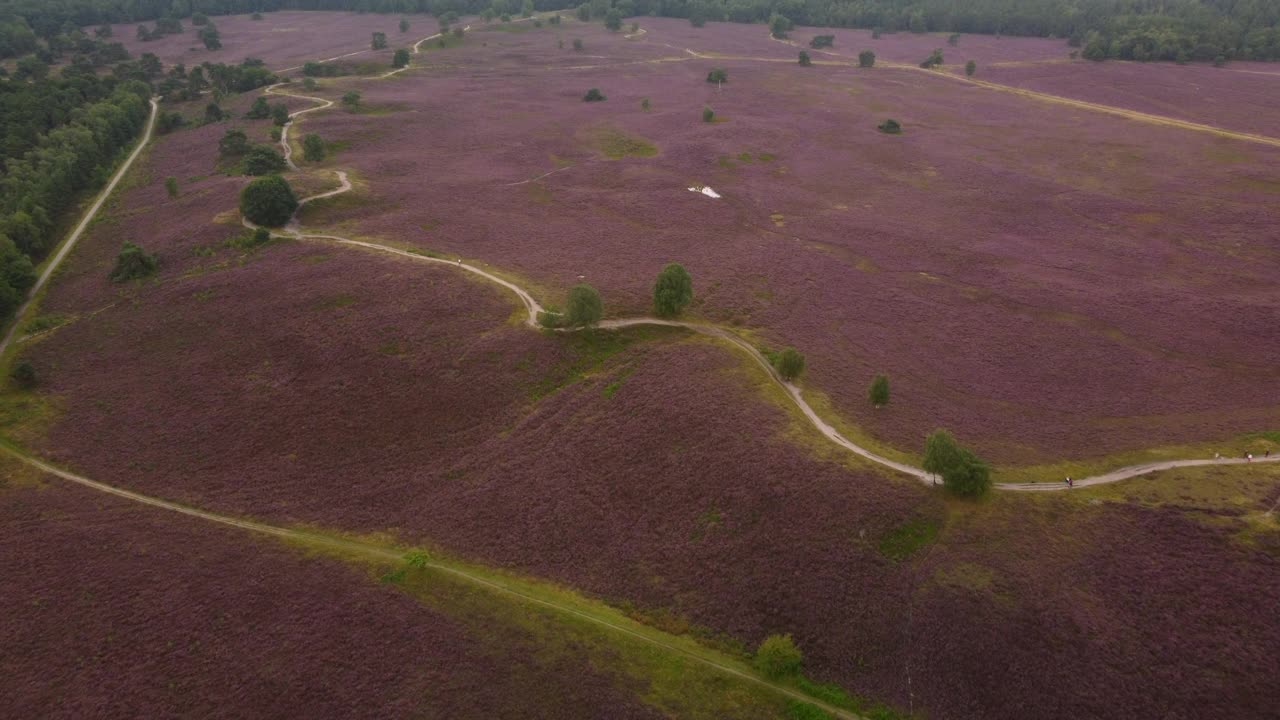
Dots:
pixel 212 113
pixel 102 31
pixel 313 149
pixel 718 75
pixel 866 59
pixel 697 19
pixel 133 263
pixel 585 306
pixel 404 25
pixel 593 95
pixel 260 110
pixel 309 84
pixel 890 126
pixel 878 393
pixel 280 114
pixel 673 290
pixel 962 472
pixel 210 37
pixel 168 121
pixel 379 41
pixel 778 657
pixel 779 26
pixel 400 58
pixel 458 32
pixel 144 33
pixel 804 59
pixel 970 68
pixel 934 59
pixel 789 363
pixel 1219 61
pixel 268 201
pixel 262 160
pixel 708 115
pixel 24 376
pixel 171 186
pixel 526 8
pixel 821 41
pixel 16 275
pixel 351 99
pixel 613 20
pixel 312 68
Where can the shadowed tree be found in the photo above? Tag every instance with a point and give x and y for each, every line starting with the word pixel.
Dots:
pixel 585 306
pixel 890 126
pixel 260 110
pixel 313 149
pixel 351 99
pixel 963 473
pixel 379 41
pixel 268 201
pixel 24 375
pixel 866 59
pixel 789 363
pixel 778 657
pixel 262 160
pixel 133 263
pixel 613 20
pixel 400 59
pixel 804 59
pixel 718 75
pixel 708 114
pixel 779 26
pixel 171 186
pixel 404 25
pixel 280 114
pixel 593 95
pixel 878 393
pixel 673 290
pixel 970 68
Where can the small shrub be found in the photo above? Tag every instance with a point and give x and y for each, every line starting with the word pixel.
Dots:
pixel 260 110
pixel 593 95
pixel 644 104
pixel 234 143
pixel 276 133
pixel 875 33
pixel 779 25
pixel 313 149
pixel 133 263
pixel 804 59
pixel 268 201
pixel 672 291
pixel 635 28
pixel 1219 61
pixel 400 59
pixel 584 12
pixel 256 16
pixel 963 473
pixel 555 20
pixel 199 19
pixel 213 113
pixel 550 320
pixel 585 306
pixel 167 122
pixel 24 375
pixel 866 59
pixel 351 99
pixel 718 75
pixel 171 186
pixel 778 657
pixel 789 363
pixel 309 83
pixel 262 160
pixel 878 393
pixel 970 68
pixel 934 59
pixel 890 126
pixel 379 41
pixel 458 32
pixel 261 236
pixel 708 115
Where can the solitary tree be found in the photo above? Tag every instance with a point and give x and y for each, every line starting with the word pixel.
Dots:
pixel 890 126
pixel 404 25
pixel 718 75
pixel 673 290
pixel 970 68
pixel 260 110
pixel 866 59
pixel 934 59
pixel 708 114
pixel 821 41
pixel 268 201
pixel 879 391
pixel 212 113
pixel 585 307
pixel 379 41
pixel 313 148
pixel 171 186
pixel 280 114
pixel 133 263
pixel 400 59
pixel 778 657
pixel 779 25
pixel 351 99
pixel 593 95
pixel 613 20
pixel 24 375
pixel 789 363
pixel 262 160
pixel 209 36
pixel 963 473
pixel 804 59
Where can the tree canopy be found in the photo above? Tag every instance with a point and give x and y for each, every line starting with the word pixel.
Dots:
pixel 585 306
pixel 673 290
pixel 962 472
pixel 268 201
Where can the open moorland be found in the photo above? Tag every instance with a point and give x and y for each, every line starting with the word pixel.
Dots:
pixel 1049 281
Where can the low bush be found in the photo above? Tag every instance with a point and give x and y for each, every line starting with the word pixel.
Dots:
pixel 778 657
pixel 585 306
pixel 262 160
pixel 24 375
pixel 890 126
pixel 133 263
pixel 268 201
pixel 593 95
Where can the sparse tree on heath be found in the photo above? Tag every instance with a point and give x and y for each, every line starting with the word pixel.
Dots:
pixel 268 201
pixel 24 375
pixel 804 59
pixel 789 363
pixel 133 263
pixel 613 20
pixel 351 99
pixel 233 144
pixel 593 95
pixel 718 75
pixel 673 290
pixel 970 68
pixel 280 114
pixel 585 306
pixel 866 59
pixel 878 393
pixel 260 110
pixel 708 114
pixel 400 59
pixel 962 472
pixel 171 186
pixel 778 657
pixel 313 149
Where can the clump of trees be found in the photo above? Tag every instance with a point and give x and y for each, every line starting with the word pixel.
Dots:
pixel 593 95
pixel 400 58
pixel 133 263
pixel 934 60
pixel 313 148
pixel 779 26
pixel 962 472
pixel 379 41
pixel 210 37
pixel 970 68
pixel 234 143
pixel 262 160
pixel 821 41
pixel 878 393
pixel 673 291
pixel 866 59
pixel 259 110
pixel 890 126
pixel 718 75
pixel 585 307
pixel 778 657
pixel 268 201
pixel 804 59
pixel 789 363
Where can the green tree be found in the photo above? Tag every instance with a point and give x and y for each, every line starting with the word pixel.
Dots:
pixel 577 44
pixel 268 201
pixel 260 110
pixel 209 36
pixel 262 160
pixel 171 186
pixel 962 472
pixel 313 149
pixel 379 41
pixel 708 115
pixel 526 8
pixel 673 291
pixel 613 20
pixel 866 59
pixel 256 16
pixel 212 113
pixel 718 75
pixel 878 393
pixel 970 68
pixel 593 95
pixel 779 26
pixel 890 126
pixel 404 25
pixel 133 263
pixel 789 363
pixel 778 657
pixel 934 59
pixel 24 375
pixel 351 99
pixel 400 59
pixel 821 41
pixel 585 306
pixel 804 59
pixel 554 20
pixel 280 114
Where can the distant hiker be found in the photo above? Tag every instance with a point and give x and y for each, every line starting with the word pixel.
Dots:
pixel 1070 482
pixel 1217 456
pixel 1266 454
pixel 1248 457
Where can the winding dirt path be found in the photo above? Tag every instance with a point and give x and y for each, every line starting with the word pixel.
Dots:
pixel 19 317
